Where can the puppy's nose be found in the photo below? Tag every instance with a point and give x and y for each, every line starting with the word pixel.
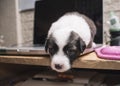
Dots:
pixel 58 66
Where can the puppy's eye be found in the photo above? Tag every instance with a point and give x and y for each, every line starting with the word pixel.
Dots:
pixel 71 51
pixel 51 50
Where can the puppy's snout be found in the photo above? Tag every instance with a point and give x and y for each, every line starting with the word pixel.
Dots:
pixel 58 66
pixel 60 63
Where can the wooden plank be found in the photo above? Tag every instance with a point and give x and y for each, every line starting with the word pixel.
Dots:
pixel 88 61
pixel 29 60
pixel 92 61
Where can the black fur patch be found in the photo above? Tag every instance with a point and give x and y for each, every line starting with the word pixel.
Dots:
pixel 74 47
pixel 51 46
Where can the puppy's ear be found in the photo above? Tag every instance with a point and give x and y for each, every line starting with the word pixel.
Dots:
pixel 82 45
pixel 75 38
pixel 46 45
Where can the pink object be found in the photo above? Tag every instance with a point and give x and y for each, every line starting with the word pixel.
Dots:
pixel 108 52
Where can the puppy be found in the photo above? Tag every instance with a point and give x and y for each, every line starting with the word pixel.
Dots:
pixel 67 38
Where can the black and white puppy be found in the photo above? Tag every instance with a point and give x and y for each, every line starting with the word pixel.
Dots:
pixel 67 38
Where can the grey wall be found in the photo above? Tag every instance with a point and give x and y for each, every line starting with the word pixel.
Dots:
pixel 8 21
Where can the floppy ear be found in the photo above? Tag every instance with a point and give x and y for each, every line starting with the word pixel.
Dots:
pixel 46 45
pixel 74 37
pixel 82 45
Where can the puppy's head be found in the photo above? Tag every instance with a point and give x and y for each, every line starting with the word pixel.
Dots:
pixel 64 50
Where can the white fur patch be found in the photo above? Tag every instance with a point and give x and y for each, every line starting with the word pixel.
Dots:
pixel 69 23
pixel 60 57
pixel 62 60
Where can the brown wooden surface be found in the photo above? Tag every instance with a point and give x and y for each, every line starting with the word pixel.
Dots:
pixel 88 61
